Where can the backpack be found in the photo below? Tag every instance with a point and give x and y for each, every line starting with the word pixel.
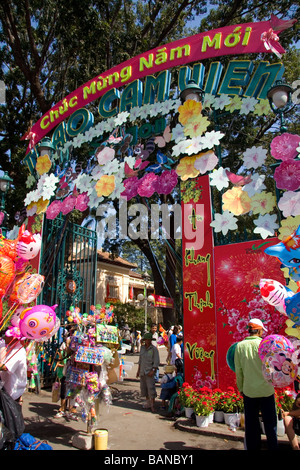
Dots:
pixel 28 442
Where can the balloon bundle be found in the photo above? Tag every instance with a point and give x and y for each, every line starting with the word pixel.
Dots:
pixel 163 339
pixel 279 360
pixel 97 313
pixel 284 299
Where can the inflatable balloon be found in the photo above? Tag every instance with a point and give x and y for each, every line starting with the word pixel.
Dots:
pixel 28 247
pixel 30 288
pixel 51 333
pixel 37 322
pixel 274 343
pixel 274 293
pixel 15 318
pixel 279 368
pixel 292 306
pixel 288 252
pixel 230 356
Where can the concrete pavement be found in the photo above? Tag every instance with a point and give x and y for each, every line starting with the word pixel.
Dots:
pixel 130 427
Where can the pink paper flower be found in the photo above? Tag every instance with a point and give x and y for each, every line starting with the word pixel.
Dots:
pixel 148 185
pixel 53 209
pixel 131 187
pixel 283 147
pixel 167 182
pixel 82 202
pixel 287 175
pixel 68 204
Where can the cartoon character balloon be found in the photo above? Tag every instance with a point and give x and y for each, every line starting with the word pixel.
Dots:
pixel 274 293
pixel 37 322
pixel 288 252
pixel 274 344
pixel 292 306
pixel 279 368
pixel 30 288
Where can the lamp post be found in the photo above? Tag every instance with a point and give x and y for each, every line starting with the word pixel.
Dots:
pixel 280 98
pixel 192 92
pixel 5 182
pixel 46 147
pixel 146 298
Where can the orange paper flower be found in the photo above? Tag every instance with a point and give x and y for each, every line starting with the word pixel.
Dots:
pixel 43 164
pixel 189 109
pixel 105 185
pixel 186 168
pixel 236 201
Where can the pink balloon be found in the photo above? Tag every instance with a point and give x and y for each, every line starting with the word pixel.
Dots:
pixel 279 368
pixel 30 288
pixel 38 322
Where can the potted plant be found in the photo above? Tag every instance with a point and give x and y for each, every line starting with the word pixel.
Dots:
pixel 187 397
pixel 217 401
pixel 232 406
pixel 203 408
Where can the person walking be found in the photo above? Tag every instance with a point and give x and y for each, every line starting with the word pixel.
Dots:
pixel 147 366
pixel 292 423
pixel 258 394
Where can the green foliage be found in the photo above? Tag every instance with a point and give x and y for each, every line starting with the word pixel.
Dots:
pixel 133 316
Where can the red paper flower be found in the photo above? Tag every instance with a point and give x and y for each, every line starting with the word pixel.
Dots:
pixel 167 182
pixel 131 187
pixel 82 202
pixel 287 175
pixel 148 185
pixel 53 209
pixel 283 147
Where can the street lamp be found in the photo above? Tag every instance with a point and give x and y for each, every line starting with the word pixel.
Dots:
pixel 46 147
pixel 146 299
pixel 191 92
pixel 280 98
pixel 5 181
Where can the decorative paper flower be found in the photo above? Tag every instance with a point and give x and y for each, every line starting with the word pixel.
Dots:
pixel 234 105
pixel 256 184
pixel 82 201
pixel 254 157
pixel 288 226
pixel 186 168
pixel 131 187
pixel 181 147
pixel 41 205
pixel 248 105
pixel 68 204
pixel 206 162
pixel 167 182
pixel 262 108
pixel 135 113
pixel 263 203
pixel 53 209
pixel 121 118
pixel 31 209
pixel 105 185
pixel 78 140
pixel 82 182
pixel 195 145
pixel 148 185
pixel 289 203
pixel 156 108
pixel 210 139
pixel 30 181
pixel 196 126
pixel 209 100
pixel 177 133
pixel 189 109
pixel 219 179
pixel 105 155
pixel 94 200
pixel 266 225
pixel 224 222
pixel 43 164
pixel 236 201
pixel 287 175
pixel 222 101
pixel 284 146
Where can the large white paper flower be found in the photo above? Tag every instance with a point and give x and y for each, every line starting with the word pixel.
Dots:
pixel 248 105
pixel 224 222
pixel 289 203
pixel 256 184
pixel 206 162
pixel 177 133
pixel 254 157
pixel 212 138
pixel 121 118
pixel 222 101
pixel 219 179
pixel 266 225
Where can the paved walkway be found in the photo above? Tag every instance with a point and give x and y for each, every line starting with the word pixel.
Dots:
pixel 129 426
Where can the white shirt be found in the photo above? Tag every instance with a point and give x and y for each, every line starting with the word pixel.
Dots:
pixel 176 352
pixel 15 378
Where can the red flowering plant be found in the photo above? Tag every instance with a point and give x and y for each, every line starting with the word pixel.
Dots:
pixel 217 395
pixel 187 395
pixel 284 399
pixel 231 401
pixel 204 404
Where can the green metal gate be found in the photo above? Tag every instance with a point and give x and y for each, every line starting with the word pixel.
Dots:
pixel 68 262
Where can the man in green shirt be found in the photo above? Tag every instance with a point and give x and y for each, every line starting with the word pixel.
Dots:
pixel 148 364
pixel 258 394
